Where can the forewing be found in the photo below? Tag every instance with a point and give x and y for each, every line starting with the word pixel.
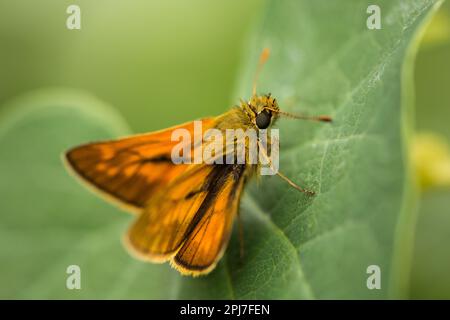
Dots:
pixel 132 169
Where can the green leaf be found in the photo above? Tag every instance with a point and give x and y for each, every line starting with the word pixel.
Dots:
pixel 296 246
pixel 361 215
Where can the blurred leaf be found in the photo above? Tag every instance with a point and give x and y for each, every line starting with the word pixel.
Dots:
pixel 431 261
pixel 432 76
pixel 296 246
pixel 49 221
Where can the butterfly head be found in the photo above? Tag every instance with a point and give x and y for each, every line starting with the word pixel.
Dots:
pixel 263 110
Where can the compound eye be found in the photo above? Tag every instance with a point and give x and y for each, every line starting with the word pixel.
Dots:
pixel 263 119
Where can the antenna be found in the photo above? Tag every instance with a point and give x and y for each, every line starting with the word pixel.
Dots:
pixel 321 118
pixel 262 60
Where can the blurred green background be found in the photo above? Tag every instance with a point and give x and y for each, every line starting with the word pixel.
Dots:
pixel 430 278
pixel 149 59
pixel 163 62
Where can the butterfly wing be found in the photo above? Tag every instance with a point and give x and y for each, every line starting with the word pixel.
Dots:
pixel 191 221
pixel 130 170
pixel 207 241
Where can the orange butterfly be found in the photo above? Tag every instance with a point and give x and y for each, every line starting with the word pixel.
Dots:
pixel 185 211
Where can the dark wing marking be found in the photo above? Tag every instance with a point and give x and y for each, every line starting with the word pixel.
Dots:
pixel 209 195
pixel 211 229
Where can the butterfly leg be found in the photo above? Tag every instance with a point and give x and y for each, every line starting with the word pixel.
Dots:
pixel 282 176
pixel 291 183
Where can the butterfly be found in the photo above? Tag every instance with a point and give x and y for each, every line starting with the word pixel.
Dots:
pixel 185 211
